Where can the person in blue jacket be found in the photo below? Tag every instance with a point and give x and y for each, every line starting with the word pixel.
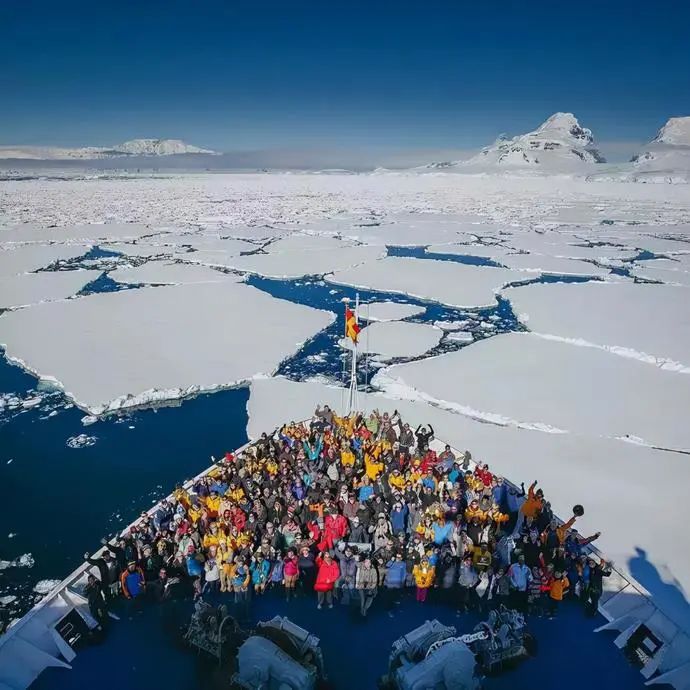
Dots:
pixel 260 568
pixel 394 581
pixel 399 518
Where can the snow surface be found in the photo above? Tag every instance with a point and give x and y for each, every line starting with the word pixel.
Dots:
pixel 31 233
pixel 667 157
pixel 17 260
pixel 114 350
pixel 454 284
pixel 647 322
pixel 670 276
pixel 397 338
pixel 302 255
pixel 611 479
pixel 388 311
pixel 524 381
pixel 170 273
pixel 540 263
pixel 32 288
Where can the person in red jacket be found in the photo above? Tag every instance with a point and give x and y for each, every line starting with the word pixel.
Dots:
pixel 327 574
pixel 334 529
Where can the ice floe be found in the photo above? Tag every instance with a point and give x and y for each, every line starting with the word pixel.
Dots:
pixel 31 233
pixel 81 441
pixel 397 338
pixel 541 263
pixel 45 586
pixel 528 382
pixel 647 322
pixel 135 347
pixel 302 255
pixel 388 311
pixel 32 288
pixel 460 337
pixel 14 261
pixel 170 273
pixel 454 284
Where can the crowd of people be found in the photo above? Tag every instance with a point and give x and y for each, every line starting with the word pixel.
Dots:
pixel 350 508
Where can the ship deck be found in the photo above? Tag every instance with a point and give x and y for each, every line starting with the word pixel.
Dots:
pixel 147 652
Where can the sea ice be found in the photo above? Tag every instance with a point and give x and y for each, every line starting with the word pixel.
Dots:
pixel 460 337
pixel 524 381
pixel 30 233
pixel 397 338
pixel 454 284
pixel 302 255
pixel 170 273
pixel 388 311
pixel 647 322
pixel 32 288
pixel 133 347
pixel 45 586
pixel 81 441
pixel 540 263
pixel 14 261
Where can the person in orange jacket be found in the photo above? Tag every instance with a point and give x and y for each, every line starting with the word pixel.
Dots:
pixel 559 586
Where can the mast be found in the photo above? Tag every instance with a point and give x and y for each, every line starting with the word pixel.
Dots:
pixel 352 398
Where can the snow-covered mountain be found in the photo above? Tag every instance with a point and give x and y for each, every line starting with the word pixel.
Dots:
pixel 667 156
pixel 560 144
pixel 135 147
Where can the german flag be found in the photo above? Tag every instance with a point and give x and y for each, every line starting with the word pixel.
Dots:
pixel 351 328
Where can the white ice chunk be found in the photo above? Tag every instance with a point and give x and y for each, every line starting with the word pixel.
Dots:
pixel 452 325
pixel 75 233
pixel 397 338
pixel 170 273
pixel 540 263
pixel 119 349
pixel 458 285
pixel 649 322
pixel 522 380
pixel 16 260
pixel 460 337
pixel 302 255
pixel 388 311
pixel 32 288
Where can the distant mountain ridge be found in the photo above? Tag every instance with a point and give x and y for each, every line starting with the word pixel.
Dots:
pixel 667 156
pixel 558 144
pixel 134 147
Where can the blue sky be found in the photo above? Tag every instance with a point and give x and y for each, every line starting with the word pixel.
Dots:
pixel 400 76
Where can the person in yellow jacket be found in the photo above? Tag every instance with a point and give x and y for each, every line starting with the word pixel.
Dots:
pixel 424 575
pixel 372 466
pixel 559 586
pixel 347 457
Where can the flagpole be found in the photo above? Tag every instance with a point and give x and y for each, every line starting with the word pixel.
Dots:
pixel 352 402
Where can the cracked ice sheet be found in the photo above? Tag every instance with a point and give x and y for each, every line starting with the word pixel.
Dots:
pixel 611 479
pixel 665 275
pixel 32 288
pixel 25 259
pixel 302 255
pixel 417 230
pixel 647 322
pixel 134 347
pixel 75 233
pixel 524 381
pixel 555 265
pixel 388 311
pixel 397 338
pixel 165 272
pixel 454 284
